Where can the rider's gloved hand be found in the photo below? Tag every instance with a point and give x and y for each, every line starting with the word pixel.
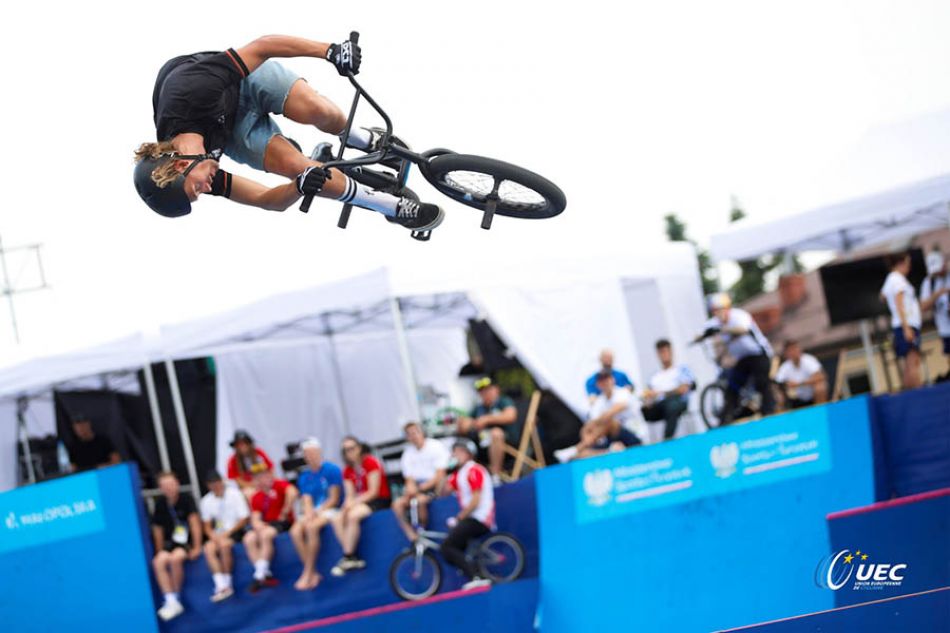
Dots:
pixel 451 522
pixel 346 56
pixel 710 331
pixel 311 181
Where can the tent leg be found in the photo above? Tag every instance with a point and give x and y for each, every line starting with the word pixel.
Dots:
pixel 869 355
pixel 403 342
pixel 183 429
pixel 337 375
pixel 22 405
pixel 156 417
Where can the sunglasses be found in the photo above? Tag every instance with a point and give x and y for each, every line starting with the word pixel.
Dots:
pixel 351 447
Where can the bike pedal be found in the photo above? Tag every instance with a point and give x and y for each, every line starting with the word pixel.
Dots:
pixel 422 236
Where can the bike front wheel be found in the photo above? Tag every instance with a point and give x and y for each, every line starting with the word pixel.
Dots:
pixel 712 404
pixel 414 577
pixel 500 558
pixel 475 180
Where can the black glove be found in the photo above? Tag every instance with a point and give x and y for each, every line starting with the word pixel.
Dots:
pixel 346 56
pixel 311 181
pixel 710 331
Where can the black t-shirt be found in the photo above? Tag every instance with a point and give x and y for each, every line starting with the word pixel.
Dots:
pixel 88 455
pixel 167 517
pixel 199 93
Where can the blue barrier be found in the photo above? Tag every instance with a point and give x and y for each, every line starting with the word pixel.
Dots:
pixel 712 530
pixel 381 542
pixel 72 555
pixel 912 441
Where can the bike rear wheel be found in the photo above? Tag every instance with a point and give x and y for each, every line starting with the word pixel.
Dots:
pixel 415 577
pixel 712 404
pixel 474 180
pixel 500 558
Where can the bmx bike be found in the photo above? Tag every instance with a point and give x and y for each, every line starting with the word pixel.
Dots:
pixel 489 185
pixel 416 573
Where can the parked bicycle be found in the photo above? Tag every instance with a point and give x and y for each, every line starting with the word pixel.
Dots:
pixel 416 572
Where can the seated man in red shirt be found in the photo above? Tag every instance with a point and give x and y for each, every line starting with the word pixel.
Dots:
pixel 245 456
pixel 365 491
pixel 271 513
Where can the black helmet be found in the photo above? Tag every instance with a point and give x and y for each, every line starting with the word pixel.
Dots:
pixel 466 445
pixel 170 200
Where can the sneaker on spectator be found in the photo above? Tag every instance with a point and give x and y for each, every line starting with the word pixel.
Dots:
pixel 255 586
pixel 270 581
pixel 340 568
pixel 565 455
pixel 356 563
pixel 496 480
pixel 171 609
pixel 222 594
pixel 475 583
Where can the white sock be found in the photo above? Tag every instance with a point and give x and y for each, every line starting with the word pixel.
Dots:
pixel 171 597
pixel 362 196
pixel 360 138
pixel 261 568
pixel 219 581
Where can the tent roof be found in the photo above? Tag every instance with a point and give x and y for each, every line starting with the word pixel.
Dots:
pixel 865 221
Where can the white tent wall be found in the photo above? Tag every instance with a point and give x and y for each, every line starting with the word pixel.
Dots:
pixel 437 356
pixel 40 417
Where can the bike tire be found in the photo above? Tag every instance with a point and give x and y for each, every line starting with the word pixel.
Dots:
pixel 711 408
pixel 503 541
pixel 429 562
pixel 469 179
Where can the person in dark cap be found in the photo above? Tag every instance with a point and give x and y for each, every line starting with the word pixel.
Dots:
pixel 90 450
pixel 245 456
pixel 493 423
pixel 224 517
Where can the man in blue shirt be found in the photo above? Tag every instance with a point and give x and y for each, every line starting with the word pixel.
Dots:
pixel 621 381
pixel 321 486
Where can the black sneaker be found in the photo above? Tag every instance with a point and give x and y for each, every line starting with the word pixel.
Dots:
pixel 255 586
pixel 270 581
pixel 417 216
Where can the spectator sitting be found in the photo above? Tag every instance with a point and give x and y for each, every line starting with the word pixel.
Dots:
pixel 271 513
pixel 424 463
pixel 225 515
pixel 321 494
pixel 667 395
pixel 476 516
pixel 935 293
pixel 492 424
pixel 607 364
pixel 606 429
pixel 245 456
pixel 901 299
pixel 176 530
pixel 365 491
pixel 802 376
pixel 90 450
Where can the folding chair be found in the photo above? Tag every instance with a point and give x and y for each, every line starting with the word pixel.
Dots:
pixel 530 441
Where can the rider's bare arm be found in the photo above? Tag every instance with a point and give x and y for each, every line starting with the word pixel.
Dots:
pixel 279 198
pixel 263 48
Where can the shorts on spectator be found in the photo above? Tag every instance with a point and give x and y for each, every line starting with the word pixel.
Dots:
pixel 280 526
pixel 171 547
pixel 379 504
pixel 902 346
pixel 330 513
pixel 946 344
pixel 625 437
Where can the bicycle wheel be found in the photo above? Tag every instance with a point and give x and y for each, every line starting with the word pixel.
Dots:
pixel 472 179
pixel 500 558
pixel 415 577
pixel 712 404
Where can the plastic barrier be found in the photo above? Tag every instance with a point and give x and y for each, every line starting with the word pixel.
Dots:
pixel 72 555
pixel 365 589
pixel 713 530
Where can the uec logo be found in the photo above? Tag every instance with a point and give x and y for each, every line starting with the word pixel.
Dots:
pixel 836 570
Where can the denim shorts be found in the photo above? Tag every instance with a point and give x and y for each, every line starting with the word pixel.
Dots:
pixel 263 92
pixel 902 346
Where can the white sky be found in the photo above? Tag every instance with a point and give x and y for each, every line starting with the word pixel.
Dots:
pixel 634 109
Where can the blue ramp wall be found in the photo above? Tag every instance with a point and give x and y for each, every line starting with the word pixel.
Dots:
pixel 710 531
pixel 73 557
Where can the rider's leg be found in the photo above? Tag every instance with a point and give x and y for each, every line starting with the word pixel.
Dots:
pixel 305 105
pixel 762 383
pixel 453 548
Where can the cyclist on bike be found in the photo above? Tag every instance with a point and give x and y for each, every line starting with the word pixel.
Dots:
pixel 476 516
pixel 752 352
pixel 214 103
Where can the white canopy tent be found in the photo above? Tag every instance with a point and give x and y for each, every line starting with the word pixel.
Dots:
pixel 874 219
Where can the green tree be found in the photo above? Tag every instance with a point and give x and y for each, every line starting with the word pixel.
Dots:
pixel 754 271
pixel 676 232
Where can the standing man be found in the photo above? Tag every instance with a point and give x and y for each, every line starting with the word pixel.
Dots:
pixel 493 423
pixel 321 495
pixel 606 429
pixel 935 293
pixel 906 321
pixel 271 513
pixel 90 450
pixel 802 376
pixel 176 531
pixel 476 515
pixel 424 463
pixel 225 515
pixel 667 396
pixel 752 352
pixel 606 364
pixel 209 104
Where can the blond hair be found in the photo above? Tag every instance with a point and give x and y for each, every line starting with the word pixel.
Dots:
pixel 166 172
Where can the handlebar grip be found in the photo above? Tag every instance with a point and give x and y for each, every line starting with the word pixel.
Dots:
pixel 305 205
pixel 354 37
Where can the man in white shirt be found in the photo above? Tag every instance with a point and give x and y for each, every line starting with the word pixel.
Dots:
pixel 607 427
pixel 748 346
pixel 935 293
pixel 905 317
pixel 802 376
pixel 667 393
pixel 224 515
pixel 424 463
